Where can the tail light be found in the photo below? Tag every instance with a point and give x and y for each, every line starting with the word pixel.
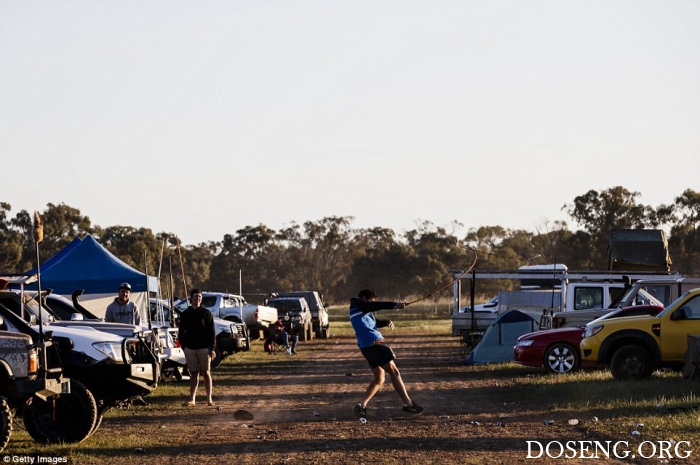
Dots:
pixel 33 362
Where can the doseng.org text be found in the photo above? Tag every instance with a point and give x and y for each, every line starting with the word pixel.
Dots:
pixel 608 449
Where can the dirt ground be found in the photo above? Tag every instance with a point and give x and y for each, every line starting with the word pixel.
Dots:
pixel 303 414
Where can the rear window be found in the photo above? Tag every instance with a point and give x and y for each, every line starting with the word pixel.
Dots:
pixel 285 305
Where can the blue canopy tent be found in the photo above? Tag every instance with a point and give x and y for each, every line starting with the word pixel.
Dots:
pixel 86 264
pixel 499 339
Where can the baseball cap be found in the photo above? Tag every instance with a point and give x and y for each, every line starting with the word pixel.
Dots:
pixel 126 286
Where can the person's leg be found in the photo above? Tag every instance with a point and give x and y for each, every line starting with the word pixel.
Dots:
pixel 295 341
pixel 397 381
pixel 193 368
pixel 206 375
pixel 374 386
pixel 194 383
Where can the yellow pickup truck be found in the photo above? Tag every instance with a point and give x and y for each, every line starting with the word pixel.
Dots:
pixel 634 347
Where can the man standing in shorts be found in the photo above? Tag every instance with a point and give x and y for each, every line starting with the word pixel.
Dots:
pixel 198 339
pixel 379 355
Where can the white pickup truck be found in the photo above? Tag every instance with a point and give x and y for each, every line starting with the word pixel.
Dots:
pixel 234 307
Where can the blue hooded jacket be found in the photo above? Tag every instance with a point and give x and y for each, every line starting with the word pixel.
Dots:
pixel 365 323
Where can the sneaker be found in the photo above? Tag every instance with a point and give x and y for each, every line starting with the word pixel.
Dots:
pixel 414 409
pixel 360 411
pixel 289 351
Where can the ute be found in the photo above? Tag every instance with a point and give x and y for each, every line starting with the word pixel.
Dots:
pixel 319 313
pixel 295 315
pixel 231 336
pixel 31 377
pixel 634 348
pixel 110 370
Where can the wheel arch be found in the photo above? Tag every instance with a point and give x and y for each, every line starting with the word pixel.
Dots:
pixel 629 337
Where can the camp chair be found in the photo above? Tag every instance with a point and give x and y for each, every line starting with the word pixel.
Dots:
pixel 271 345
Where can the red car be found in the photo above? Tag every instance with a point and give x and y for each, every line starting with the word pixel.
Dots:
pixel 558 349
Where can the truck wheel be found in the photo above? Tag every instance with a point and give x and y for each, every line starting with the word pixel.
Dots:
pixel 67 418
pixel 325 334
pixel 631 362
pixel 216 361
pixel 5 423
pixel 100 416
pixel 561 358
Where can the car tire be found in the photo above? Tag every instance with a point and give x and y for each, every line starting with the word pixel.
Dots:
pixel 216 361
pixel 5 423
pixel 561 358
pixel 631 362
pixel 68 418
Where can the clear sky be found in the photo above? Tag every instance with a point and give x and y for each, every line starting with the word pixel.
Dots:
pixel 201 118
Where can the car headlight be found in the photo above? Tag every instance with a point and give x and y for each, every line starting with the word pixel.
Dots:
pixel 592 330
pixel 112 350
pixel 525 343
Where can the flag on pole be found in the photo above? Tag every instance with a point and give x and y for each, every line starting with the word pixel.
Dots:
pixel 38 227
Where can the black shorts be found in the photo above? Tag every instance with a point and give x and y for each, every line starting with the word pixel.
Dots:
pixel 378 355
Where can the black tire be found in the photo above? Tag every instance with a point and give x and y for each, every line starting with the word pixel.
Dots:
pixel 5 423
pixel 561 358
pixel 71 420
pixel 100 416
pixel 216 361
pixel 631 362
pixel 98 422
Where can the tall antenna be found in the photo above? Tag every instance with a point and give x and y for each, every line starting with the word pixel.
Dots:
pixel 38 238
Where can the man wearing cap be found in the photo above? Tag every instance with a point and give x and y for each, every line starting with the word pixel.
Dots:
pixel 122 310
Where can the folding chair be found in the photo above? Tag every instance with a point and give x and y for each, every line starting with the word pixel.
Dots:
pixel 271 345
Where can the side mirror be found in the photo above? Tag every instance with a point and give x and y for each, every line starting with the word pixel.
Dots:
pixel 679 314
pixel 77 317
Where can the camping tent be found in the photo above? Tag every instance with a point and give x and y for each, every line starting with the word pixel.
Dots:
pixel 86 264
pixel 499 339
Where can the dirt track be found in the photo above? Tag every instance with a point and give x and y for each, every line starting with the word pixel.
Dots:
pixel 303 414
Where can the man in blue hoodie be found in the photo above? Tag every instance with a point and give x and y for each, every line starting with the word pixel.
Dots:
pixel 378 354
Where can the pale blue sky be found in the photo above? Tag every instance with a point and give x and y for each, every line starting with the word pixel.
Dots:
pixel 201 118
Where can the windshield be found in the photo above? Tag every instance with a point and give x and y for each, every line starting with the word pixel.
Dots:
pixel 638 296
pixel 33 307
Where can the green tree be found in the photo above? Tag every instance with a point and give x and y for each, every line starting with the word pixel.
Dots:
pixel 684 240
pixel 435 256
pixel 255 254
pixel 382 263
pixel 12 244
pixel 598 213
pixel 322 254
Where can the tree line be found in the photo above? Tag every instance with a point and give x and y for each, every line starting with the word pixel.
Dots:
pixel 331 256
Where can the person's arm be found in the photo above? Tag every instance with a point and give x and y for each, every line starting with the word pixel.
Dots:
pixel 211 330
pixel 367 306
pixel 182 330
